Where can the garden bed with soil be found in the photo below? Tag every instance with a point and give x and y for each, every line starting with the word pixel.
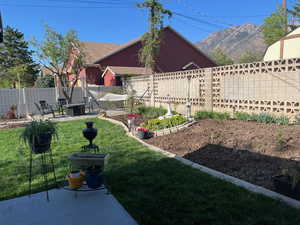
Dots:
pixel 251 151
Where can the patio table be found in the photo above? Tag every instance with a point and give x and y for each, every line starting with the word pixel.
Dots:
pixel 75 109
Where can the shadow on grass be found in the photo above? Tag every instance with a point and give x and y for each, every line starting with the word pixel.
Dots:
pixel 164 191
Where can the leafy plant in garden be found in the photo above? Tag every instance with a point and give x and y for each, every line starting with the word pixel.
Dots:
pixel 150 112
pixel 297 119
pixel 157 124
pixel 242 116
pixel 212 115
pixel 266 118
pixel 280 141
pixel 282 120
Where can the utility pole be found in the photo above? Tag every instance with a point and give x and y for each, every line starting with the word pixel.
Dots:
pixel 284 6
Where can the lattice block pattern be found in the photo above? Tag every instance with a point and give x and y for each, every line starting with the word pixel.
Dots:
pixel 253 87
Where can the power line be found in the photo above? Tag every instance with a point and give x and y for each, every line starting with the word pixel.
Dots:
pixel 199 20
pixel 193 25
pixel 63 6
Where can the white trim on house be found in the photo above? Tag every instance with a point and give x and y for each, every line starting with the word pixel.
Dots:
pixel 107 68
pixel 190 64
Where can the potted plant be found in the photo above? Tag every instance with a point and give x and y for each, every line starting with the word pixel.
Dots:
pixel 75 179
pixel 142 133
pixel 131 117
pixel 94 177
pixel 38 135
pixel 288 183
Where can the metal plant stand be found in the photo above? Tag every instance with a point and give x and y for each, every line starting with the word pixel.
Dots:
pixel 47 167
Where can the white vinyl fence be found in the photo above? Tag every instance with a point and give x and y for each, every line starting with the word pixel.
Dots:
pixel 25 98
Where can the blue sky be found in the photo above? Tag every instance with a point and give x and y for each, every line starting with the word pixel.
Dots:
pixel 118 21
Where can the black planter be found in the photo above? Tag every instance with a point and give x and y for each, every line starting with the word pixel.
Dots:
pixel 42 143
pixel 284 185
pixel 90 132
pixel 94 177
pixel 141 134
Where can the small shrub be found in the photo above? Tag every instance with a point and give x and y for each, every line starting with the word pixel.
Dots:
pixel 283 120
pixel 297 119
pixel 266 118
pixel 221 116
pixel 157 124
pixel 12 113
pixel 212 115
pixel 280 142
pixel 149 112
pixel 203 114
pixel 242 116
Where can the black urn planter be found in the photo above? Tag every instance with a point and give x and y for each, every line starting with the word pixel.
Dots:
pixel 94 177
pixel 90 132
pixel 283 184
pixel 42 143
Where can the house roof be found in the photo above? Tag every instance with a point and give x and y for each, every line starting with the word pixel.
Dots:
pixel 121 70
pixel 94 50
pixel 132 42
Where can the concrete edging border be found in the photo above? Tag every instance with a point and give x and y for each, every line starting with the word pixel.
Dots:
pixel 251 187
pixel 174 129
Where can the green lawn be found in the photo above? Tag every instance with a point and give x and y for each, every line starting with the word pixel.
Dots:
pixel 154 189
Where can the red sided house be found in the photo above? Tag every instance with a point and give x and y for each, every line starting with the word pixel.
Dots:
pixel 107 62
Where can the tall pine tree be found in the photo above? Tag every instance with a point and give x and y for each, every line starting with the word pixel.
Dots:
pixel 16 63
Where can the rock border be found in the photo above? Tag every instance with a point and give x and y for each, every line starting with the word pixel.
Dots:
pixel 250 187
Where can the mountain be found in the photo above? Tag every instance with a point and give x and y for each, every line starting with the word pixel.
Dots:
pixel 235 41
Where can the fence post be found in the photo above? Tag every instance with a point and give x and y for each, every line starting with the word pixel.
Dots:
pixel 152 97
pixel 208 89
pixel 25 103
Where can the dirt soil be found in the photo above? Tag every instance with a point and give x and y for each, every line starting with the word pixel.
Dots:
pixel 247 150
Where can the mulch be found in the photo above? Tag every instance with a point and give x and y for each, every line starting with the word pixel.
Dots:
pixel 251 151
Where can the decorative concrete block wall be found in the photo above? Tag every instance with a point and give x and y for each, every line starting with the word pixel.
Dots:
pixel 272 87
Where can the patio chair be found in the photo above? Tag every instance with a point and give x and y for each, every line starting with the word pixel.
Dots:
pixel 61 102
pixel 44 108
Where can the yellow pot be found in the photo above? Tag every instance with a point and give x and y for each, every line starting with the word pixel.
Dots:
pixel 75 182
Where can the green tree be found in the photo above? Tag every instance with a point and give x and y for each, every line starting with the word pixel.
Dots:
pixel 295 12
pixel 63 56
pixel 45 81
pixel 16 62
pixel 220 57
pixel 151 40
pixel 274 26
pixel 249 57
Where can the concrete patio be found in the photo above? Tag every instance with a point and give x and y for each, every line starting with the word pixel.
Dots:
pixel 96 207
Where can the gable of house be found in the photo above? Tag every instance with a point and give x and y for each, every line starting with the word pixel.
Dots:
pixel 175 53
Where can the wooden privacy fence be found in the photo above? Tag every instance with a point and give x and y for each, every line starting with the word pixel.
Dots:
pixel 272 87
pixel 25 98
